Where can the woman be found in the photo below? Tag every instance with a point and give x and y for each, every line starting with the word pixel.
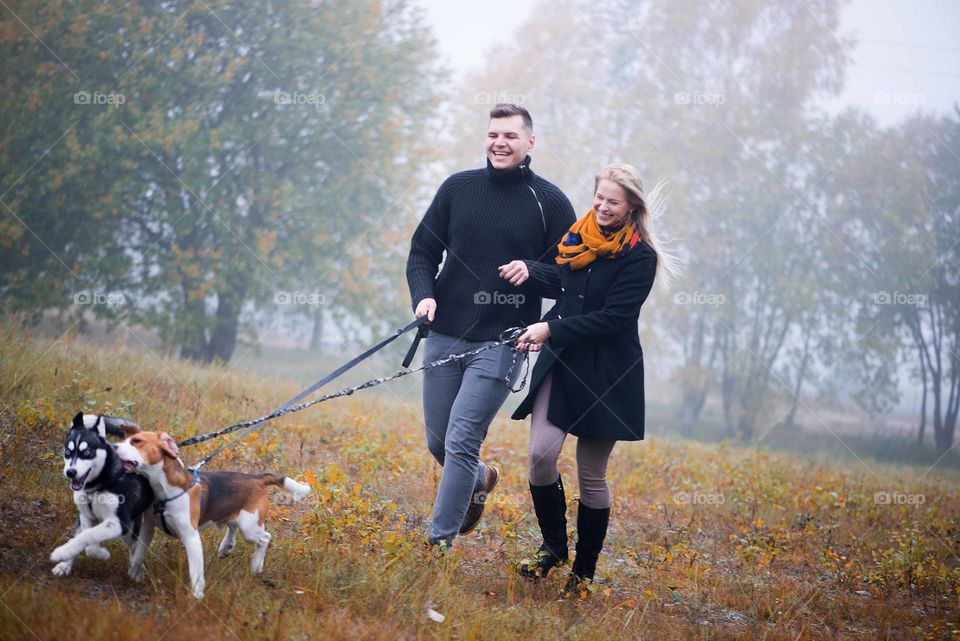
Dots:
pixel 588 380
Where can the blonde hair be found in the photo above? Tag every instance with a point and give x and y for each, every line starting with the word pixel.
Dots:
pixel 645 209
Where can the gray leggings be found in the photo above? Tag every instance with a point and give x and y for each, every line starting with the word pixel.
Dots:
pixel 546 441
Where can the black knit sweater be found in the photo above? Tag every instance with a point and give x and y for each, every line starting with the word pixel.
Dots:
pixel 484 218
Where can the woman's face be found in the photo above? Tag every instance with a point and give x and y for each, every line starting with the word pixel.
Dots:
pixel 610 203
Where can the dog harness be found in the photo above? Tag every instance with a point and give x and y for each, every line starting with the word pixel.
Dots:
pixel 159 507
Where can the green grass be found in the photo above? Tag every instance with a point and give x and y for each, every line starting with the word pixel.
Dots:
pixel 771 546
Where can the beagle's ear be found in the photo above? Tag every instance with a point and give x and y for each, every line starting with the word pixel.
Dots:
pixel 168 445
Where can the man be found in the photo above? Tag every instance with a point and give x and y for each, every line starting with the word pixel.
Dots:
pixel 481 219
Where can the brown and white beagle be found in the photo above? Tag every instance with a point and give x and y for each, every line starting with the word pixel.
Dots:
pixel 187 501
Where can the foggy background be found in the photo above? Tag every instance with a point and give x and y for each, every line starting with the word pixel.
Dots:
pixel 227 182
pixel 910 46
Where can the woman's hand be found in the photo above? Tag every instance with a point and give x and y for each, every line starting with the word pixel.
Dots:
pixel 515 271
pixel 533 337
pixel 427 307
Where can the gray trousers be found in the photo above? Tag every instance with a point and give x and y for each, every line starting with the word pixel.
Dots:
pixel 546 441
pixel 460 400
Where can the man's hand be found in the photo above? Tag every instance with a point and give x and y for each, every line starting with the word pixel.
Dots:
pixel 427 307
pixel 533 337
pixel 515 271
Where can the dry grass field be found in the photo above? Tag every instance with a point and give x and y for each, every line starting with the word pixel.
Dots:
pixel 707 541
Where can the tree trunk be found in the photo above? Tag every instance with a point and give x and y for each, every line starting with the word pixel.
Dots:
pixel 939 429
pixel 193 342
pixel 923 403
pixel 692 404
pixel 746 426
pixel 727 386
pixel 695 382
pixel 223 339
pixel 316 336
pixel 801 374
pixel 953 401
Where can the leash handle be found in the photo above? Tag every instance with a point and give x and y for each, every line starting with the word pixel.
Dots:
pixel 421 333
pixel 511 334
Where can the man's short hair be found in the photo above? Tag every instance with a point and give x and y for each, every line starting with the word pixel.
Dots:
pixel 507 109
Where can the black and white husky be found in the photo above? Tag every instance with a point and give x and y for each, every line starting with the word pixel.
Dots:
pixel 111 502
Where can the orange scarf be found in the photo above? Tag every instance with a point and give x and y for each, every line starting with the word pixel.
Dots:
pixel 586 241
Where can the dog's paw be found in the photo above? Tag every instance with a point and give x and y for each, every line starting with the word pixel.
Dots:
pixel 62 569
pixel 136 572
pixel 63 553
pixel 98 552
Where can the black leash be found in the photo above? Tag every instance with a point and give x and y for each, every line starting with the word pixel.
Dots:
pixel 323 381
pixel 506 337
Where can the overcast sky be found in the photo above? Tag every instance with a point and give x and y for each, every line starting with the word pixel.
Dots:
pixel 907 47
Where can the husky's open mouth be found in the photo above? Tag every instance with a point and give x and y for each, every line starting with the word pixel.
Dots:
pixel 77 484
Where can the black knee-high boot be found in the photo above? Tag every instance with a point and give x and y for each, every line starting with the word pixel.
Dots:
pixel 591 532
pixel 550 505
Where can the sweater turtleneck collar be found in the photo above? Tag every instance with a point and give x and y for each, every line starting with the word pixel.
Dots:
pixel 509 176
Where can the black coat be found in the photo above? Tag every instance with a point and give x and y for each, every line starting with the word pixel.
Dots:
pixel 594 347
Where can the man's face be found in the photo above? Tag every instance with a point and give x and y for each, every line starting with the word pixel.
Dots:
pixel 508 142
